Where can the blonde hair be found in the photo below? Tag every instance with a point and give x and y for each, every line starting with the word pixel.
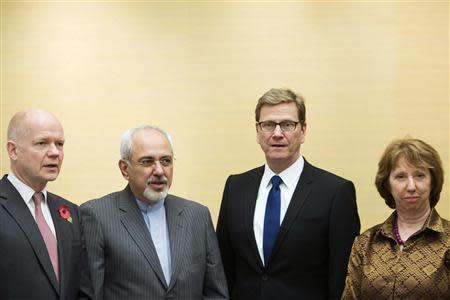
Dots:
pixel 277 96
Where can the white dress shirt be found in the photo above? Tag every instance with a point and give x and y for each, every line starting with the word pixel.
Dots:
pixel 27 195
pixel 290 178
pixel 155 218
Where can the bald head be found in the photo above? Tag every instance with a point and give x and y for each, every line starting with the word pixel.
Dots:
pixel 23 121
pixel 35 147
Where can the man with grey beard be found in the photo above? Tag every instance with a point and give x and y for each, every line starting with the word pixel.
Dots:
pixel 143 243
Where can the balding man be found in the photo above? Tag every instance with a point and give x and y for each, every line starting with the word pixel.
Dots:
pixel 144 243
pixel 41 253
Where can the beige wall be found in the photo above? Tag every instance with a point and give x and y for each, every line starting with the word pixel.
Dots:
pixel 370 72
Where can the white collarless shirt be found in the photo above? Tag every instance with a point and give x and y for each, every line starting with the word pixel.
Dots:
pixel 27 195
pixel 290 178
pixel 155 218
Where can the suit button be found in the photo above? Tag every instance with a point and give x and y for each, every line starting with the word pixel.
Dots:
pixel 265 277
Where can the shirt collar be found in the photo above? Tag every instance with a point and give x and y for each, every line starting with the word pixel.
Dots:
pixel 387 228
pixel 433 222
pixel 147 207
pixel 24 190
pixel 290 176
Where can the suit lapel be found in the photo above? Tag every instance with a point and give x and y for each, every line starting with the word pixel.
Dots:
pixel 299 197
pixel 248 196
pixel 176 226
pixel 133 221
pixel 64 237
pixel 16 207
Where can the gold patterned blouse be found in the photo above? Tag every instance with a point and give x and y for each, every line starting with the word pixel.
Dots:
pixel 379 269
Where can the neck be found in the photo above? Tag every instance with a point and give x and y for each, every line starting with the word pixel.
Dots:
pixel 36 186
pixel 278 166
pixel 413 219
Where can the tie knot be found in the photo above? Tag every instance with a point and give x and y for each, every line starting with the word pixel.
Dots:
pixel 37 197
pixel 276 180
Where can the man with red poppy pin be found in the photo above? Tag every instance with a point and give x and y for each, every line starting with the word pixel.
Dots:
pixel 64 212
pixel 41 250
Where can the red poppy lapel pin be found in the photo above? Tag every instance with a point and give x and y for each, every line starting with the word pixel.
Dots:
pixel 64 212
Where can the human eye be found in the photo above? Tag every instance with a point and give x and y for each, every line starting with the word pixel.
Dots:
pixel 166 161
pixel 287 125
pixel 420 175
pixel 268 125
pixel 146 162
pixel 400 176
pixel 60 144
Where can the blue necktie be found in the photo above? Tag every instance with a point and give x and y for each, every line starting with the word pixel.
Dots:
pixel 272 218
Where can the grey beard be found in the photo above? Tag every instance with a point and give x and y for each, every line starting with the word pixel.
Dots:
pixel 153 196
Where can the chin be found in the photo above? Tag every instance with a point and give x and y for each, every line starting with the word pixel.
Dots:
pixel 154 196
pixel 277 158
pixel 50 178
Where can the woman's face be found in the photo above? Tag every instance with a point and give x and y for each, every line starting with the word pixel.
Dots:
pixel 410 187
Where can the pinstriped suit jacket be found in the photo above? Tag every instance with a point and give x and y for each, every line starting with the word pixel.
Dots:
pixel 123 260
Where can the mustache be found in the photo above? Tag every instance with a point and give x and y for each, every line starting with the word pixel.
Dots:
pixel 157 180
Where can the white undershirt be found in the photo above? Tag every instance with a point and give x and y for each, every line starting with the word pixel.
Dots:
pixel 290 178
pixel 27 195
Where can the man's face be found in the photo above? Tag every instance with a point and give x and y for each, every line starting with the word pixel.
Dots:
pixel 151 168
pixel 282 149
pixel 37 155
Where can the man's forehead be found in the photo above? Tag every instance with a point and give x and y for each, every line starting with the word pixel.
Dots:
pixel 42 121
pixel 150 153
pixel 42 134
pixel 48 127
pixel 288 106
pixel 48 135
pixel 151 143
pixel 279 110
pixel 148 132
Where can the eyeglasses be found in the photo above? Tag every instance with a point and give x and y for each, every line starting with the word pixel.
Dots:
pixel 147 162
pixel 285 126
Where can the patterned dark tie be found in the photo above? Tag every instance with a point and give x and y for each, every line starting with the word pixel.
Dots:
pixel 47 234
pixel 272 218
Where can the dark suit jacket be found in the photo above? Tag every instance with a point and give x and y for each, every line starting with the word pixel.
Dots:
pixel 309 258
pixel 25 268
pixel 123 260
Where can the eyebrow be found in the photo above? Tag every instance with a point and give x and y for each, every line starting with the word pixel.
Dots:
pixel 152 157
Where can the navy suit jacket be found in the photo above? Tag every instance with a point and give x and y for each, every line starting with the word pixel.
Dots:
pixel 310 255
pixel 25 268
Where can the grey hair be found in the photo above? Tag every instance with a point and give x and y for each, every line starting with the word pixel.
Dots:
pixel 126 143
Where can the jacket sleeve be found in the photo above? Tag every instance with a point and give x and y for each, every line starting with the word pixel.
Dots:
pixel 223 236
pixel 344 226
pixel 94 241
pixel 352 290
pixel 215 284
pixel 85 291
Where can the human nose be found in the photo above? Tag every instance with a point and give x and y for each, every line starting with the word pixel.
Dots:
pixel 53 150
pixel 158 168
pixel 411 184
pixel 277 131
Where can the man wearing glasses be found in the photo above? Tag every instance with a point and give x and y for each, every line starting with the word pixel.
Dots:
pixel 143 243
pixel 285 229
